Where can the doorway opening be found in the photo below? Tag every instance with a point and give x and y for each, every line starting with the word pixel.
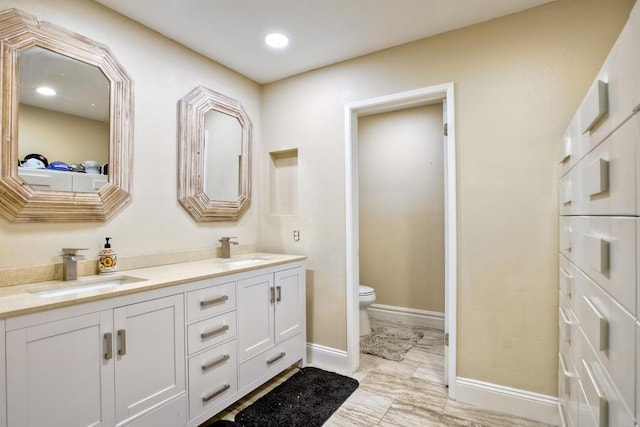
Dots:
pixel 443 94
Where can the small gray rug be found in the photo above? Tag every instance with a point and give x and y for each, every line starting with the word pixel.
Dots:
pixel 390 343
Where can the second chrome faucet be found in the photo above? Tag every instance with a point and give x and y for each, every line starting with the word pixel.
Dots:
pixel 226 246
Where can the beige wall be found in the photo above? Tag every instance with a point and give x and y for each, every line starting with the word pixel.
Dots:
pixel 162 72
pixel 60 136
pixel 518 81
pixel 401 207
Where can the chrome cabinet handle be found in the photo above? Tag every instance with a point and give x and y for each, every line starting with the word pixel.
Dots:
pixel 213 332
pixel 108 354
pixel 279 293
pixel 215 363
pixel 218 392
pixel 209 302
pixel 273 294
pixel 122 336
pixel 275 359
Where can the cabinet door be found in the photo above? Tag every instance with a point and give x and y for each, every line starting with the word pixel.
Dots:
pixel 59 373
pixel 149 353
pixel 290 302
pixel 256 298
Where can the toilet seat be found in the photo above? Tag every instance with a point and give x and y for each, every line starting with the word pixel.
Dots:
pixel 365 291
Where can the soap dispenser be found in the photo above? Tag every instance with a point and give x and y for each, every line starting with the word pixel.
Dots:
pixel 107 259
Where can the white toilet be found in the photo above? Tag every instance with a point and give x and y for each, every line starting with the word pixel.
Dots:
pixel 367 296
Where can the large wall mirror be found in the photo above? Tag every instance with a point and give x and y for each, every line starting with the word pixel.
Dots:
pixel 67 128
pixel 215 156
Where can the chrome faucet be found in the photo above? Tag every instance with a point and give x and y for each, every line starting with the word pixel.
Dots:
pixel 226 246
pixel 70 260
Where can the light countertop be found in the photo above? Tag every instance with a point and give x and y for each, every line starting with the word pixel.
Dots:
pixel 40 296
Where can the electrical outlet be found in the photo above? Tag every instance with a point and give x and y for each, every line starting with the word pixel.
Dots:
pixel 296 235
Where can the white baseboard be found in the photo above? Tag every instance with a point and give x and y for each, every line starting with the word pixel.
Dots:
pixel 521 403
pixel 327 358
pixel 406 316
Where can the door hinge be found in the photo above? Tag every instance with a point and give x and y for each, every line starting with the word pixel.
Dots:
pixel 446 339
pixel 446 129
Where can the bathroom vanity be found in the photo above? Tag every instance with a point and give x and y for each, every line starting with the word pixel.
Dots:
pixel 170 345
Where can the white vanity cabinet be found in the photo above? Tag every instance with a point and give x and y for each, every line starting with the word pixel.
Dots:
pixel 70 367
pixel 271 322
pixel 173 354
pixel 599 243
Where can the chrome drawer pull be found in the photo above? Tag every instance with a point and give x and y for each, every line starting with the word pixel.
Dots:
pixel 603 403
pixel 566 320
pixel 279 293
pixel 209 302
pixel 108 354
pixel 213 332
pixel 215 363
pixel 222 389
pixel 275 359
pixel 567 373
pixel 602 340
pixel 273 294
pixel 122 335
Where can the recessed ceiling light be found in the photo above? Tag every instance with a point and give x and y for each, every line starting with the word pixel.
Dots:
pixel 46 91
pixel 276 40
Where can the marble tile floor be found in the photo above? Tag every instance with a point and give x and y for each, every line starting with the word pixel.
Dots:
pixel 406 393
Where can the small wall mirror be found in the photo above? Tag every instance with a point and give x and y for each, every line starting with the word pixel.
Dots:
pixel 215 156
pixel 66 98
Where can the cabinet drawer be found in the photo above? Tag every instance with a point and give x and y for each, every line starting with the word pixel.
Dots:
pixel 605 249
pixel 566 236
pixel 568 147
pixel 211 363
pixel 604 181
pixel 268 363
pixel 210 393
pixel 566 279
pixel 568 389
pixel 210 301
pixel 566 199
pixel 210 332
pixel 610 331
pixel 620 71
pixel 600 398
pixel 568 333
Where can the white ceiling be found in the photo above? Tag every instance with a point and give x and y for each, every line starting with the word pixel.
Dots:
pixel 321 32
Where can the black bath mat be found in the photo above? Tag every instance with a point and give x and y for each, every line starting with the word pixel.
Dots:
pixel 307 399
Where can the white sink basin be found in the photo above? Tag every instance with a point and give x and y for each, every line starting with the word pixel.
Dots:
pixel 243 262
pixel 80 286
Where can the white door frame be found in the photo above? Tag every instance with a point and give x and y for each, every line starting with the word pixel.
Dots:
pixel 428 95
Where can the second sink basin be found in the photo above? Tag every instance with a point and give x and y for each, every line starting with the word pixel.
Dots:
pixel 244 261
pixel 80 285
pixel 241 262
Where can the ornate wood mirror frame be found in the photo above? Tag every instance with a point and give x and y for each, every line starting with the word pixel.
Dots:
pixel 191 182
pixel 18 201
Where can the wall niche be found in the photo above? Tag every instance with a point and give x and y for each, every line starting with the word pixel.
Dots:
pixel 283 182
